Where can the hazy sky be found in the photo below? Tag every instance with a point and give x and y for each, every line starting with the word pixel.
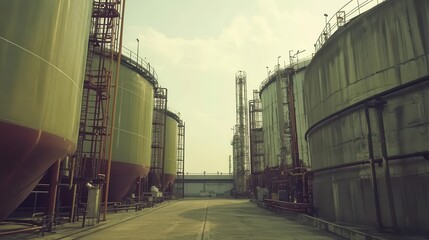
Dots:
pixel 197 46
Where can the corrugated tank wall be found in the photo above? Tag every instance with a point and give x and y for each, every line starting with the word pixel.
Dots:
pixel 270 124
pixel 383 50
pixel 301 115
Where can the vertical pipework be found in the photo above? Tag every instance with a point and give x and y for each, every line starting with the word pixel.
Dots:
pixel 229 170
pixel 112 122
pixel 241 141
pixel 53 186
pixel 159 124
pixel 73 203
pixel 373 173
pixel 139 192
pixel 281 120
pixel 253 183
pixel 387 178
pixel 163 139
pixel 251 124
pixel 183 172
pixel 292 119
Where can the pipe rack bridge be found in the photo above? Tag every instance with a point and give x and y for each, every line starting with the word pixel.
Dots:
pixel 202 185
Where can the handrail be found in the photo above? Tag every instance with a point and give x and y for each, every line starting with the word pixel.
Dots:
pixel 140 63
pixel 210 174
pixel 174 114
pixel 131 59
pixel 301 63
pixel 342 17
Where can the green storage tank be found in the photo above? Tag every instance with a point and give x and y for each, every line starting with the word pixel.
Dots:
pixel 43 46
pixel 170 158
pixel 132 139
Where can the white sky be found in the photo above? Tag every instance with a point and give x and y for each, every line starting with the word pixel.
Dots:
pixel 197 46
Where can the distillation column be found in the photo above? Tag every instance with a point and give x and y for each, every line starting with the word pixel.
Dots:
pixel 241 138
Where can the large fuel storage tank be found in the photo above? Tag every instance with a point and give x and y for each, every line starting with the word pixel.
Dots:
pixel 276 117
pixel 300 111
pixel 366 95
pixel 271 119
pixel 171 140
pixel 43 47
pixel 131 153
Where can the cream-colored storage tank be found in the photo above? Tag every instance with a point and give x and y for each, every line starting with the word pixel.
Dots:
pixel 366 94
pixel 43 46
pixel 171 139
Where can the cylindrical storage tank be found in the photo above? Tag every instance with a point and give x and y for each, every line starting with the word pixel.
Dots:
pixel 171 140
pixel 300 111
pixel 270 121
pixel 378 60
pixel 131 153
pixel 275 117
pixel 43 46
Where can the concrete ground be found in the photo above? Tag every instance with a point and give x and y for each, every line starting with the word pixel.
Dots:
pixel 192 219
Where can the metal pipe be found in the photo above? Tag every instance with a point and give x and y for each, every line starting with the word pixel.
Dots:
pixel 387 178
pixel 35 203
pixel 292 117
pixel 183 182
pixel 112 122
pixel 303 179
pixel 43 184
pixel 73 203
pixel 139 190
pixel 373 172
pixel 73 161
pixel 164 139
pixel 424 154
pixel 251 136
pixel 280 117
pixel 55 172
pixel 343 165
pixel 39 192
pixel 377 160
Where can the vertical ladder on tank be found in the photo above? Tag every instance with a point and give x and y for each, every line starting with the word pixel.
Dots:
pixel 92 149
pixel 256 139
pixel 158 137
pixel 291 123
pixel 299 184
pixel 287 138
pixel 180 169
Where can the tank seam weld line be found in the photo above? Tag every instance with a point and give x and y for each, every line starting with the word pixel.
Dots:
pixel 39 57
pixel 128 90
pixel 138 135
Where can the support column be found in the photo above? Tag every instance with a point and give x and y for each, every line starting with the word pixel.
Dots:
pixel 53 187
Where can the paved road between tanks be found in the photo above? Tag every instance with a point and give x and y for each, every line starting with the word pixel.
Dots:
pixel 204 219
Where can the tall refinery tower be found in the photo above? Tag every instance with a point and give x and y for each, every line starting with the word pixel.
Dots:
pixel 241 137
